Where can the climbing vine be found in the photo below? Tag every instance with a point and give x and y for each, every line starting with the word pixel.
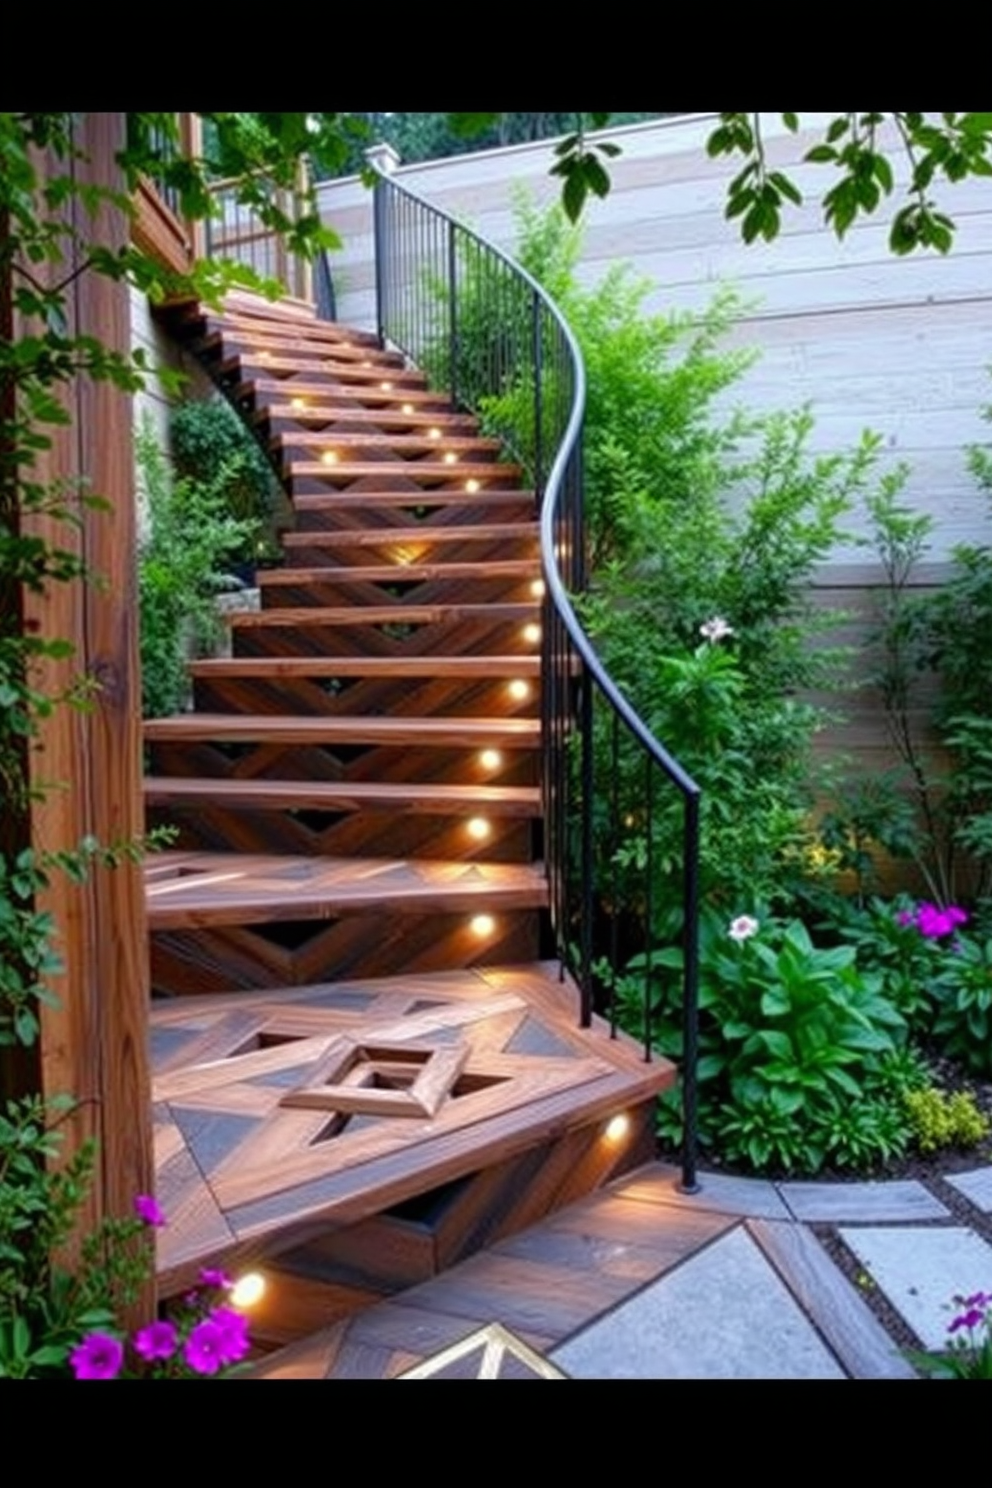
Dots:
pixel 50 238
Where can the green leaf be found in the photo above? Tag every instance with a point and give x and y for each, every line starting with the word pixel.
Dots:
pixel 574 195
pixel 596 177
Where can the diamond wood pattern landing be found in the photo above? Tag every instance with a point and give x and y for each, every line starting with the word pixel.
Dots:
pixel 279 1112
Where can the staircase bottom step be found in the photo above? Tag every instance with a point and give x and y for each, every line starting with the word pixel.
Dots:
pixel 356 1137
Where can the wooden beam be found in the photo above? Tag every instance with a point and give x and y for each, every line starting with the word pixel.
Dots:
pixel 94 1046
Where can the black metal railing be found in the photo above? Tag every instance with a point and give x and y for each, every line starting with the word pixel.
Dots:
pixel 238 232
pixel 485 330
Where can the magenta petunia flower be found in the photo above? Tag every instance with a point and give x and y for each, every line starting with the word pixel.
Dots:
pixel 233 1326
pixel 99 1356
pixel 205 1348
pixel 157 1341
pixel 211 1277
pixel 148 1211
pixel 932 922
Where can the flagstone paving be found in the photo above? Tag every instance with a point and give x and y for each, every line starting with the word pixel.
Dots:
pixel 921 1270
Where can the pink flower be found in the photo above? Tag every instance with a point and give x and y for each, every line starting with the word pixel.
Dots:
pixel 743 928
pixel 204 1349
pixel 148 1211
pixel 157 1341
pixel 99 1356
pixel 932 922
pixel 234 1329
pixel 211 1277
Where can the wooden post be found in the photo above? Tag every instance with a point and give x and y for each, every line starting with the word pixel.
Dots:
pixel 94 1047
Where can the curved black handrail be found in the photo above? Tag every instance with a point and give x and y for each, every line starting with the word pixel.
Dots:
pixel 482 325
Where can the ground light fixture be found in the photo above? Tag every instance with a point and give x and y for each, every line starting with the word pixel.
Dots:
pixel 617 1127
pixel 248 1289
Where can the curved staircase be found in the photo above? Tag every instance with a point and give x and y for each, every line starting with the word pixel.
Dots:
pixel 363 1067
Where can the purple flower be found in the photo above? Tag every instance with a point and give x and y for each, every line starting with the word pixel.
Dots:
pixel 234 1329
pixel 157 1341
pixel 974 1313
pixel 148 1211
pixel 211 1277
pixel 933 923
pixel 99 1356
pixel 204 1349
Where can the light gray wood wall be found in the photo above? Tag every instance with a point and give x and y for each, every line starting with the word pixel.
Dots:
pixel 901 346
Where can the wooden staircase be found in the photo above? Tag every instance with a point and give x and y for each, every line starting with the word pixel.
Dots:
pixel 363 1067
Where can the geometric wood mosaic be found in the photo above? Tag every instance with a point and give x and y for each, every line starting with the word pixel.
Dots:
pixel 380 1079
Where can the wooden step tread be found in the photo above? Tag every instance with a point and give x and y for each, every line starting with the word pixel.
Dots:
pixel 401 573
pixel 366 537
pixel 415 443
pixel 341 500
pixel 345 369
pixel 312 330
pixel 290 343
pixel 202 889
pixel 351 414
pixel 318 393
pixel 416 470
pixel 247 728
pixel 421 798
pixel 308 618
pixel 434 666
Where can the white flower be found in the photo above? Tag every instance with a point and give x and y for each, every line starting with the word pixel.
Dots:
pixel 743 928
pixel 716 629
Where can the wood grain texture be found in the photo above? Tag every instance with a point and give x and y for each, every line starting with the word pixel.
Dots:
pixel 358 1080
pixel 94 1044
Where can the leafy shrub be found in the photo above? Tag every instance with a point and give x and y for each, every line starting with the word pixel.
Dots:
pixel 182 564
pixel 693 515
pixel 208 438
pixel 941 1120
pixel 800 1053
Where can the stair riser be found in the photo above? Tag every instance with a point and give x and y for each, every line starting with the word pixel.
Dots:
pixel 402 764
pixel 397 638
pixel 419 547
pixel 432 591
pixel 417 512
pixel 413 698
pixel 238 958
pixel 370 834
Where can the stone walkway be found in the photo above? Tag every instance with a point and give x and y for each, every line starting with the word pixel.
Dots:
pixel 765 1300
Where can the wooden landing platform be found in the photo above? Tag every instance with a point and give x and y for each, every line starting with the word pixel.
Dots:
pixel 284 1118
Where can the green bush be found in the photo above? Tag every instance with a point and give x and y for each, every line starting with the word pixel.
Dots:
pixel 941 1120
pixel 183 559
pixel 207 438
pixel 802 1056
